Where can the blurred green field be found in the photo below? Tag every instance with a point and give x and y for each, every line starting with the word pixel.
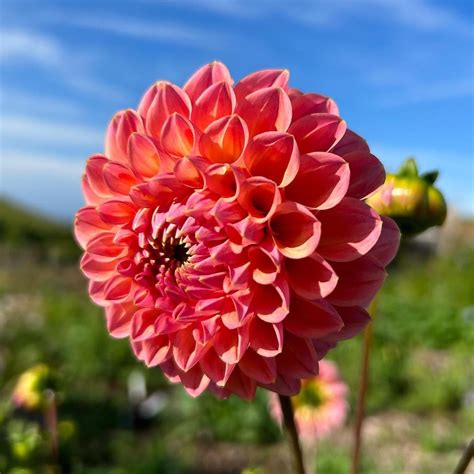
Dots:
pixel 420 404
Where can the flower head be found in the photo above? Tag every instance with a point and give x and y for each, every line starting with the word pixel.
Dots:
pixel 29 392
pixel 411 199
pixel 225 232
pixel 321 405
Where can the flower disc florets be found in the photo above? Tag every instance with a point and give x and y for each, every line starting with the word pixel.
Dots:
pixel 225 232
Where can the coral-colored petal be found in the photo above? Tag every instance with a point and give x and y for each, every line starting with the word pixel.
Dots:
pixel 295 230
pixel 190 172
pixel 119 178
pixel 260 80
pixel 367 174
pixel 265 264
pixel 118 289
pixel 387 245
pixel 204 77
pixel 223 180
pixel 231 344
pixel 116 212
pixel 177 135
pixel 194 381
pixel 95 175
pixel 167 100
pixel 97 269
pixel 350 142
pixel 241 385
pixel 259 197
pixel 266 339
pixel 261 369
pixel 273 155
pixel 311 277
pixel 322 181
pixel 214 103
pixel 103 247
pixel 312 318
pixel 358 283
pixel 217 370
pixel 266 110
pixel 350 230
pixel 119 318
pixel 88 224
pixel 224 140
pixel 271 302
pixel 306 104
pixel 186 350
pixel 317 132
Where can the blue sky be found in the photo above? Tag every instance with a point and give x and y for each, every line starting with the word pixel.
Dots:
pixel 401 72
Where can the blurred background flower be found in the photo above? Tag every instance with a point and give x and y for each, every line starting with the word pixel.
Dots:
pixel 320 407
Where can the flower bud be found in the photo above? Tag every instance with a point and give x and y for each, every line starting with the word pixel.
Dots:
pixel 410 199
pixel 30 387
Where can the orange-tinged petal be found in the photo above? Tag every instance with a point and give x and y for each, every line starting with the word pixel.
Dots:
pixel 224 140
pixel 317 132
pixel 266 339
pixel 295 230
pixel 119 178
pixel 322 181
pixel 311 277
pixel 143 156
pixel 259 197
pixel 95 175
pixel 260 80
pixel 273 155
pixel 88 224
pixel 204 77
pixel 190 172
pixel 306 104
pixel 223 180
pixel 177 135
pixel 116 212
pixel 266 110
pixel 214 103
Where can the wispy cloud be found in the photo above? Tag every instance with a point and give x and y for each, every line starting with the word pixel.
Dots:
pixel 33 130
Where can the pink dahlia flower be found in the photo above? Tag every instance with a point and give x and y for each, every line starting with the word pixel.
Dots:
pixel 321 405
pixel 225 233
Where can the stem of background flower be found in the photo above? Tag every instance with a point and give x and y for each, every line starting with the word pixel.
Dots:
pixel 51 422
pixel 466 458
pixel 288 416
pixel 363 384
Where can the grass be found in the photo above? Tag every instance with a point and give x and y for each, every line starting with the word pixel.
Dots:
pixel 418 403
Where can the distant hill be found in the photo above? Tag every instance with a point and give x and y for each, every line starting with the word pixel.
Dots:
pixel 26 231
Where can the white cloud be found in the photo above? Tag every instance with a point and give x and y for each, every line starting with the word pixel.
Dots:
pixel 32 130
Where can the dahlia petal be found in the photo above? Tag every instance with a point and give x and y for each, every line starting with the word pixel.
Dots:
pixel 186 351
pixel 271 302
pixel 122 125
pixel 266 339
pixel 311 277
pixel 217 370
pixel 350 142
pixel 227 212
pixel 260 80
pixel 350 230
pixel 118 289
pixel 231 344
pixel 241 385
pixel 355 320
pixel 143 156
pixel 387 245
pixel 156 350
pixel 244 233
pixel 273 155
pixel 90 196
pixel 204 77
pixel 295 230
pixel 317 132
pixel 298 358
pixel 116 212
pixel 88 224
pixel 306 104
pixel 177 135
pixel 189 171
pixel 96 292
pixel 119 178
pixel 367 174
pixel 95 175
pixel 266 110
pixel 261 369
pixel 223 180
pixel 312 318
pixel 171 371
pixel 143 324
pixel 167 100
pixel 322 181
pixel 285 385
pixel 359 281
pixel 119 318
pixel 96 269
pixel 260 197
pixel 224 140
pixel 194 381
pixel 264 264
pixel 103 247
pixel 215 102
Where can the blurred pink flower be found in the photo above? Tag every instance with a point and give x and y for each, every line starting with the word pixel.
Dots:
pixel 225 232
pixel 320 407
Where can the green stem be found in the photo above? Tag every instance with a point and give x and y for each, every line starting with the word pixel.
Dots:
pixel 289 419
